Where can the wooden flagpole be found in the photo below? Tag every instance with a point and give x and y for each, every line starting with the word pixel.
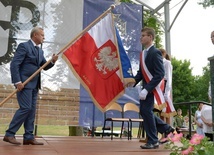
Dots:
pixel 25 82
pixel 87 28
pixel 62 50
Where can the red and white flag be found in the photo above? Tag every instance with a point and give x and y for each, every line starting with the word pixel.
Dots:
pixel 94 60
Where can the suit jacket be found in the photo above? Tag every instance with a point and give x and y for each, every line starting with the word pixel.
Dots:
pixel 26 61
pixel 154 63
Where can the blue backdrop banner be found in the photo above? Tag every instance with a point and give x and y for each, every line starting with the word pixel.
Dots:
pixel 128 19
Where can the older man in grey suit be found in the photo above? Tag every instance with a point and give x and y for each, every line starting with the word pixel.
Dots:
pixel 28 58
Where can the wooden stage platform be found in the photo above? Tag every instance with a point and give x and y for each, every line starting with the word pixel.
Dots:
pixel 77 145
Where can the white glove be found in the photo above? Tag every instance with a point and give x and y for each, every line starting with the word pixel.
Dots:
pixel 143 94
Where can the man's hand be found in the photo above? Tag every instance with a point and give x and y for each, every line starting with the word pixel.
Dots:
pixel 54 58
pixel 129 84
pixel 19 86
pixel 143 94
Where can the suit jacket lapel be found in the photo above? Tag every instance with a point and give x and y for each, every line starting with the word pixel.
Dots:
pixel 34 51
pixel 149 51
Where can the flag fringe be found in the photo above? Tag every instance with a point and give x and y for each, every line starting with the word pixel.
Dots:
pixel 88 90
pixel 168 115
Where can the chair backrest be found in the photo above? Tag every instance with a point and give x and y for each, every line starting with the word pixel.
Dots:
pixel 115 110
pixel 115 106
pixel 131 107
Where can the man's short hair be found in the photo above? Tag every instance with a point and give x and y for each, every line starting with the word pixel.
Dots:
pixel 35 30
pixel 149 31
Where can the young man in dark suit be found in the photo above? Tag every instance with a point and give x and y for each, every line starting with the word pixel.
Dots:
pixel 151 72
pixel 28 58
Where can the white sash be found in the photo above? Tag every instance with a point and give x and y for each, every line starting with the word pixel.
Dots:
pixel 158 92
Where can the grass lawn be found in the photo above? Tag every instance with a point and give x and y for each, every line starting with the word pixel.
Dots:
pixel 42 130
pixel 51 130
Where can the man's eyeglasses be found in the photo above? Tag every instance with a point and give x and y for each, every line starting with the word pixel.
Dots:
pixel 144 35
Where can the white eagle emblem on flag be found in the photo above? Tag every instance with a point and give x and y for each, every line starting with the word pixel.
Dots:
pixel 107 60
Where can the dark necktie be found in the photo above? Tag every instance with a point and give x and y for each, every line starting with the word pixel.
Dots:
pixel 145 53
pixel 37 51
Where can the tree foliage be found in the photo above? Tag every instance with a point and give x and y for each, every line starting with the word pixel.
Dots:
pixel 186 87
pixel 206 3
pixel 126 1
pixel 151 21
pixel 201 84
pixel 182 82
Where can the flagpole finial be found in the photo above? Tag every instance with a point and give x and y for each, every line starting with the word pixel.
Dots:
pixel 112 6
pixel 117 2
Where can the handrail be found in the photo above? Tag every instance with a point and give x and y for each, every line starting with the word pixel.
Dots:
pixel 189 107
pixel 193 102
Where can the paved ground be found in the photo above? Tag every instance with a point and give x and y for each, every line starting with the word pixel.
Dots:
pixel 76 145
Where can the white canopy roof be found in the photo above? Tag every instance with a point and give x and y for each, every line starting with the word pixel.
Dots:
pixel 163 9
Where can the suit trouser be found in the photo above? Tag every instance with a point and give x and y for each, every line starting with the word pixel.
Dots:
pixel 161 126
pixel 146 111
pixel 25 114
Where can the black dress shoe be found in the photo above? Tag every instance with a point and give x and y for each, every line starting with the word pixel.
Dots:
pixel 168 131
pixel 150 146
pixel 11 140
pixel 156 145
pixel 163 141
pixel 32 142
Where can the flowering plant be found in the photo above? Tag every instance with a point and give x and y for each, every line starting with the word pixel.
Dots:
pixel 197 145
